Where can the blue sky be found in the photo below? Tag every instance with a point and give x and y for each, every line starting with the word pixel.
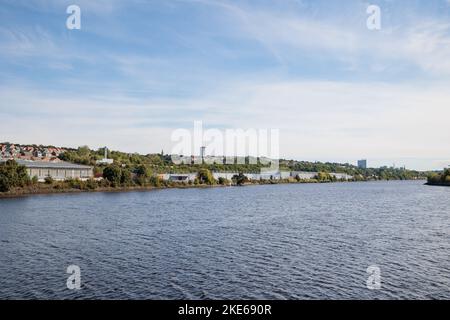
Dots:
pixel 137 70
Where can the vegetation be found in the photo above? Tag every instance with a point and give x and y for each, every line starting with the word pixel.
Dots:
pixel 442 179
pixel 325 177
pixel 224 182
pixel 12 175
pixel 131 170
pixel 240 179
pixel 205 177
pixel 160 163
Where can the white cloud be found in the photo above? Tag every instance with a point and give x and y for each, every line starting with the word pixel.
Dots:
pixel 317 120
pixel 424 42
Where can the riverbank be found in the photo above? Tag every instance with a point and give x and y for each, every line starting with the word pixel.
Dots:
pixel 43 188
pixel 30 191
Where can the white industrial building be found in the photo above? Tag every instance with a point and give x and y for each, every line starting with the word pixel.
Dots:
pixel 56 170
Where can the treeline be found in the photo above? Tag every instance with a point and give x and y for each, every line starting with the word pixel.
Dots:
pixel 440 179
pixel 382 173
pixel 162 163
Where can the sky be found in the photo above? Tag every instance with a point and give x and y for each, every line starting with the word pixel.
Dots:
pixel 138 70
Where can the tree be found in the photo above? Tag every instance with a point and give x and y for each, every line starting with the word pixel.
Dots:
pixel 125 178
pixel 324 177
pixel 223 181
pixel 240 179
pixel 142 174
pixel 12 175
pixel 49 180
pixel 205 176
pixel 113 174
pixel 4 184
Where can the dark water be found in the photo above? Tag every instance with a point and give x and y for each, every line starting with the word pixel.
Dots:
pixel 260 242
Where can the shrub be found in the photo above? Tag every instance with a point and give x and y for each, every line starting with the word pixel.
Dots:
pixel 91 184
pixel 240 179
pixel 125 178
pixel 74 183
pixel 34 180
pixel 49 180
pixel 113 174
pixel 4 184
pixel 223 181
pixel 205 176
pixel 155 181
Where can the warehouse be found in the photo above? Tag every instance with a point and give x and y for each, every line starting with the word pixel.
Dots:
pixel 57 170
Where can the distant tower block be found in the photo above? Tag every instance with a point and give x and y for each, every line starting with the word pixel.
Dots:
pixel 202 153
pixel 362 164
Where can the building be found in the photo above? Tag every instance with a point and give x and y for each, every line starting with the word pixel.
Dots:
pixel 277 175
pixel 224 175
pixel 57 170
pixel 202 153
pixel 362 164
pixel 178 177
pixel 105 159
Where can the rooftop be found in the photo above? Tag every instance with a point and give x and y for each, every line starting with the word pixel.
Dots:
pixel 50 165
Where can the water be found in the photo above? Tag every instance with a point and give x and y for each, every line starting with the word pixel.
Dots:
pixel 303 241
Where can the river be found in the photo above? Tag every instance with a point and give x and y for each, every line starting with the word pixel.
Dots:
pixel 288 241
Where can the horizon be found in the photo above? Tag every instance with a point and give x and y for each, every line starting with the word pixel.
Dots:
pixel 136 71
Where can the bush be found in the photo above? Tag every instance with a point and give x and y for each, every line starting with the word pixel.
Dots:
pixel 49 180
pixel 223 181
pixel 91 184
pixel 74 183
pixel 205 176
pixel 4 184
pixel 240 179
pixel 125 178
pixel 113 174
pixel 155 181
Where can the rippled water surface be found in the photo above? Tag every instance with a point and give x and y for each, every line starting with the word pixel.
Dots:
pixel 260 242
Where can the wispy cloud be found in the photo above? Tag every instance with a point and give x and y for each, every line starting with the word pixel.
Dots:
pixel 139 69
pixel 317 119
pixel 423 41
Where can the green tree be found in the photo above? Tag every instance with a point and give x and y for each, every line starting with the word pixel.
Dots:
pixel 205 176
pixel 34 180
pixel 12 175
pixel 125 178
pixel 223 181
pixel 5 186
pixel 240 179
pixel 324 177
pixel 113 174
pixel 49 180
